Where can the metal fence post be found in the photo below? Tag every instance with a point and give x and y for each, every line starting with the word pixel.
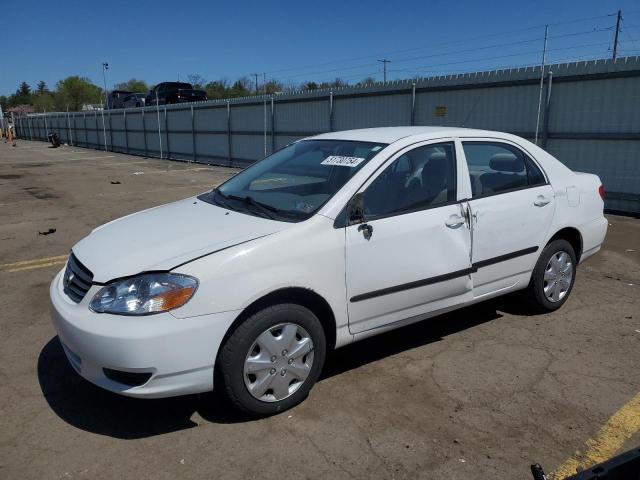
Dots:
pixel 264 124
pixel 29 124
pixel 331 111
pixel 144 134
pixel 166 131
pixel 46 129
pixel 193 137
pixel 159 134
pixel 69 140
pixel 126 133
pixel 547 111
pixel 273 126
pixel 104 129
pixel 413 103
pixel 95 118
pixel 229 132
pixel 84 129
pixel 110 132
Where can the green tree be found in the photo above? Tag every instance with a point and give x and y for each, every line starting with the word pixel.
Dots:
pixel 217 89
pixel 133 85
pixel 41 87
pixel 76 91
pixel 309 86
pixel 22 95
pixel 273 86
pixel 24 90
pixel 241 88
pixel 44 101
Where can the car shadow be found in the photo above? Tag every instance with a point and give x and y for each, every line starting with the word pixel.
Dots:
pixel 90 408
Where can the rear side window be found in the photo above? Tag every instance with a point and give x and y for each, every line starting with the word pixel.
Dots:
pixel 499 167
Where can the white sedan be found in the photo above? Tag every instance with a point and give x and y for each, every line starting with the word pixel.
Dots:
pixel 328 241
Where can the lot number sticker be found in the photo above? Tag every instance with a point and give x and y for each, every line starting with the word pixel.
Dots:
pixel 342 161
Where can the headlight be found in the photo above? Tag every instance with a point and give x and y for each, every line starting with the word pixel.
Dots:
pixel 145 294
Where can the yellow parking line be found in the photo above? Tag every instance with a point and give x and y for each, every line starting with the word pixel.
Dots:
pixel 38 265
pixel 609 440
pixel 31 264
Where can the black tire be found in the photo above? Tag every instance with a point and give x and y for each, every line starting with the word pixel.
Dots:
pixel 229 374
pixel 535 291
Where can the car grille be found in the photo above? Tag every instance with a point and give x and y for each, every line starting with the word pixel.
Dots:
pixel 77 279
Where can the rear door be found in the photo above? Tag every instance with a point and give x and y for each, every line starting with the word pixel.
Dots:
pixel 511 206
pixel 410 254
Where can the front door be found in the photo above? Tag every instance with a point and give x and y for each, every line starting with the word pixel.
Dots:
pixel 409 254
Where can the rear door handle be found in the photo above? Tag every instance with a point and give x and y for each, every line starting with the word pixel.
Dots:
pixel 541 201
pixel 455 221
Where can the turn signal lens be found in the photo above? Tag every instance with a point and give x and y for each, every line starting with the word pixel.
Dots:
pixel 172 299
pixel 601 191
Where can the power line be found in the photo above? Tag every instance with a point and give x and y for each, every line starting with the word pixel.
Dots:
pixel 431 46
pixel 447 53
pixel 532 52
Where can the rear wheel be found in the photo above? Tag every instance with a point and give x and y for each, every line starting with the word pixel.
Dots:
pixel 553 276
pixel 271 360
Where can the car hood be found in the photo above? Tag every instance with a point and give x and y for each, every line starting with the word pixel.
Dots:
pixel 164 237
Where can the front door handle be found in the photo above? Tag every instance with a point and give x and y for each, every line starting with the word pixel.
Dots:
pixel 455 221
pixel 541 201
pixel 366 229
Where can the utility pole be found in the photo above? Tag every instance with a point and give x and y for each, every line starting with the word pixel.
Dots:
pixel 544 57
pixel 384 62
pixel 256 75
pixel 615 40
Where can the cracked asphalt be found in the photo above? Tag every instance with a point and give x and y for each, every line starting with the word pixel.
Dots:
pixel 479 393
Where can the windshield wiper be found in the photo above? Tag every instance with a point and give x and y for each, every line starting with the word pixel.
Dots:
pixel 224 197
pixel 265 209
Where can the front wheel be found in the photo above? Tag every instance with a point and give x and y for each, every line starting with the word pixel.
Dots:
pixel 272 359
pixel 553 276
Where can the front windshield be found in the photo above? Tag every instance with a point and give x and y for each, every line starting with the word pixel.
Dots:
pixel 296 181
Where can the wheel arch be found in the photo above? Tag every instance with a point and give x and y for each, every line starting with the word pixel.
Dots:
pixel 298 295
pixel 571 235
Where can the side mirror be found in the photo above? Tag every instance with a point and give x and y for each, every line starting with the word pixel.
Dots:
pixel 355 209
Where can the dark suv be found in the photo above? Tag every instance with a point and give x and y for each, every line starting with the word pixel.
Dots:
pixel 174 92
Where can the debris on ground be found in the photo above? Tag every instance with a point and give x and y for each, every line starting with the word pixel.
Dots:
pixel 48 232
pixel 138 173
pixel 116 182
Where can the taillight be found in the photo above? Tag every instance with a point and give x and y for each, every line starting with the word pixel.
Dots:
pixel 601 191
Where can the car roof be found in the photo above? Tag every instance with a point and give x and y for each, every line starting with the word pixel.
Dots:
pixel 393 134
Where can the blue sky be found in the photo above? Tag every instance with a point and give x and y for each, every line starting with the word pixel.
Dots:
pixel 298 41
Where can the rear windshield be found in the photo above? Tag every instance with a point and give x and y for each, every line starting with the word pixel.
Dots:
pixel 178 85
pixel 293 183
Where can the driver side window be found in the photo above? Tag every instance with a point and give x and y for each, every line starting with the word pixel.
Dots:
pixel 422 178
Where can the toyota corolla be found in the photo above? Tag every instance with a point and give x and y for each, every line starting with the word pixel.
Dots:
pixel 335 238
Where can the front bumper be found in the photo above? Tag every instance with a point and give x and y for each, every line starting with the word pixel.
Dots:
pixel 178 354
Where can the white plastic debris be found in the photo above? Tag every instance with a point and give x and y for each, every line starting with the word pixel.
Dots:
pixel 138 173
